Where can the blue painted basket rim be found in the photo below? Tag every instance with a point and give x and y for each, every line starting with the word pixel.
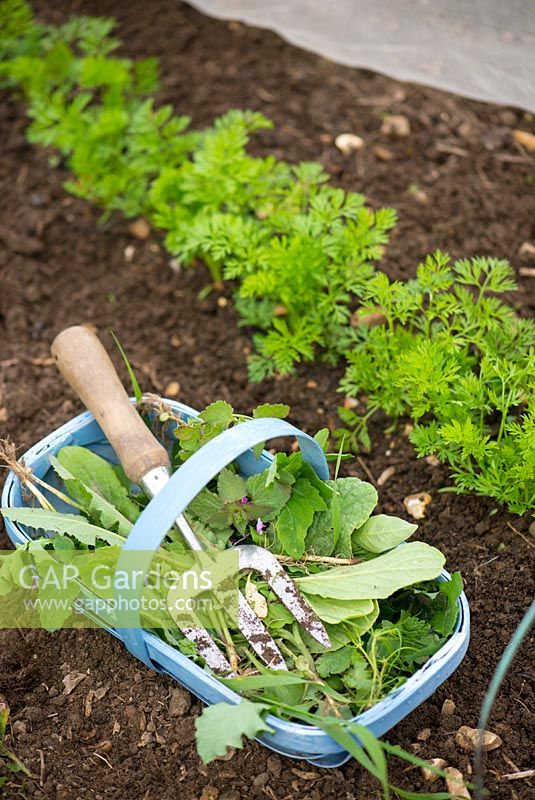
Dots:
pixel 457 642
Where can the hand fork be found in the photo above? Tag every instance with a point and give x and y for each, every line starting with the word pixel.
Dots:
pixel 86 366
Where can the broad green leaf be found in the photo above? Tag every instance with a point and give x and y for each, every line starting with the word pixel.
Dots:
pixel 230 487
pixel 336 611
pixel 382 532
pixel 320 536
pixel 361 625
pixel 223 725
pixel 336 515
pixel 219 413
pixel 93 504
pixel 357 499
pixel 379 578
pixel 278 410
pixel 99 476
pixel 296 517
pixel 71 524
pixel 324 487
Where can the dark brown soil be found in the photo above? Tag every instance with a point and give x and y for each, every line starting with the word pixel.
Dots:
pixel 459 183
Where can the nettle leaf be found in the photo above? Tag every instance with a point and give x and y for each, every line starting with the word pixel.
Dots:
pixel 334 663
pixel 230 486
pixel 266 501
pixel 359 675
pixel 219 413
pixel 71 524
pixel 223 725
pixel 218 536
pixel 11 566
pixel 382 532
pixel 278 410
pixel 207 508
pixel 296 517
pixel 378 578
pixel 100 477
pixel 336 611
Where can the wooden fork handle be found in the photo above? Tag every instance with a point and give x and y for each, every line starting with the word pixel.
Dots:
pixel 85 364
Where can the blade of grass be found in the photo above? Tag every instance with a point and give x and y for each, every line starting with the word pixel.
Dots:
pixel 138 394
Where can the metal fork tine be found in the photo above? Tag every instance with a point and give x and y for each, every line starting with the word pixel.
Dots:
pixel 262 561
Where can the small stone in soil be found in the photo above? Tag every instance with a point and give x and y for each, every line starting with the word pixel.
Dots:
pixel 448 708
pixel 416 504
pixel 179 702
pixel 71 681
pixel 467 739
pixel 261 780
pixel 428 774
pixel 172 389
pixel 396 125
pixel 140 228
pixel 129 253
pixel 274 765
pixel 382 153
pixel 424 735
pixel 385 475
pixel 526 250
pixel 104 746
pixel 455 783
pixel 210 793
pixel 525 139
pixel 350 402
pixel 348 143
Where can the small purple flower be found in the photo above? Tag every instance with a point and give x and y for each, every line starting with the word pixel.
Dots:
pixel 244 500
pixel 260 525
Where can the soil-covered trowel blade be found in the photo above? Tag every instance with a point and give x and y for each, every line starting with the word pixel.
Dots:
pixel 207 649
pixel 258 637
pixel 262 561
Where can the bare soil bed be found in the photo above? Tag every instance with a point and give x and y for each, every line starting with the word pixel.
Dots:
pixel 458 183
